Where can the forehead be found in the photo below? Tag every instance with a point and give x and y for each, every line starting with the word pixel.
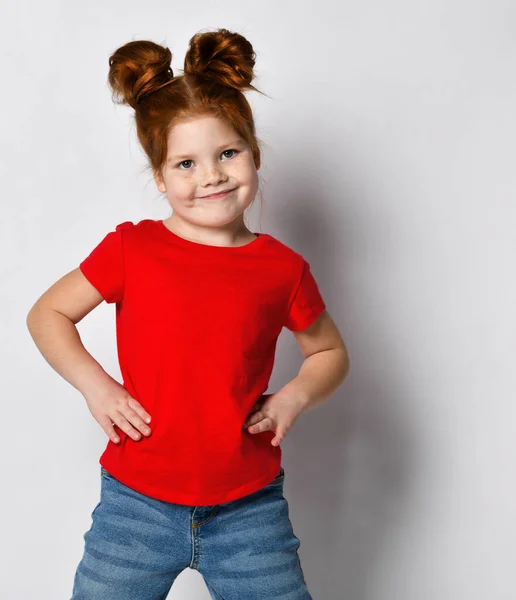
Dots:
pixel 206 129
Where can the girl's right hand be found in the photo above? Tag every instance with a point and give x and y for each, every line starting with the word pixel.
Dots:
pixel 112 406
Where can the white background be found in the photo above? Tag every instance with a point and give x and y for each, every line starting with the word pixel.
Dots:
pixel 389 153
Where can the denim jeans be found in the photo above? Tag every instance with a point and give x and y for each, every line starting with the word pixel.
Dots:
pixel 137 546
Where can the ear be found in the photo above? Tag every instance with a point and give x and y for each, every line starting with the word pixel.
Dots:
pixel 159 181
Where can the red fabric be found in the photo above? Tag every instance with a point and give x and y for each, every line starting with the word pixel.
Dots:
pixel 197 327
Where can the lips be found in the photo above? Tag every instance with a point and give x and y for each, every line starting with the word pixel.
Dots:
pixel 218 195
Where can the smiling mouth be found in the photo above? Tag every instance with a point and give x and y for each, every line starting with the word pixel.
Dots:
pixel 219 195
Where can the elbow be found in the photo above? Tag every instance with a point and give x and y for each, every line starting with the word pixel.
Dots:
pixel 28 318
pixel 29 321
pixel 344 362
pixel 31 315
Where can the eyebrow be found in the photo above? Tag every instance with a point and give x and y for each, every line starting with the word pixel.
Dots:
pixel 181 156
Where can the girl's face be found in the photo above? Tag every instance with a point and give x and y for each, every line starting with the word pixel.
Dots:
pixel 206 156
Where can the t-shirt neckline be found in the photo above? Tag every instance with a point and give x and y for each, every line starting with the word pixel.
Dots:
pixel 208 247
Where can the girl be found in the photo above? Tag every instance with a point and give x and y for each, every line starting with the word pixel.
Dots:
pixel 191 475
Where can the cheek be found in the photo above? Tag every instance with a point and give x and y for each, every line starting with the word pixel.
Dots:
pixel 252 180
pixel 180 190
pixel 246 172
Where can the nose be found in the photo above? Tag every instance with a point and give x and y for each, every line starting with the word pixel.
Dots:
pixel 212 176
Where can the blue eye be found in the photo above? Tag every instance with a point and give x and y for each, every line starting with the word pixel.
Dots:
pixel 230 150
pixel 189 161
pixel 185 161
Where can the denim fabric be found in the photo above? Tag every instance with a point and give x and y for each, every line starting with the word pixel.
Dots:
pixel 137 546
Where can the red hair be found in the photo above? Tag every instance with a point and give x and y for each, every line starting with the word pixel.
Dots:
pixel 218 68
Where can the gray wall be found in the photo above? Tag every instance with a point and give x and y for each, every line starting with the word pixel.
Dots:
pixel 388 144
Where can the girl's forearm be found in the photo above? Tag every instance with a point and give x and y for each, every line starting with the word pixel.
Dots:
pixel 319 376
pixel 58 340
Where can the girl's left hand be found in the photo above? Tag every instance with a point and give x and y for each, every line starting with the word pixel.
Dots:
pixel 278 413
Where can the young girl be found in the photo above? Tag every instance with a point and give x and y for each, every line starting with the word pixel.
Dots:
pixel 191 475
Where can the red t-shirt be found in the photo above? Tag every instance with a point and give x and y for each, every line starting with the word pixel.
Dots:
pixel 196 328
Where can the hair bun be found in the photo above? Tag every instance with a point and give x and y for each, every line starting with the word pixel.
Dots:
pixel 221 56
pixel 138 69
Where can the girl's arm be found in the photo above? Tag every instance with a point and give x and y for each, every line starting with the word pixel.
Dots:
pixel 326 363
pixel 52 324
pixel 324 369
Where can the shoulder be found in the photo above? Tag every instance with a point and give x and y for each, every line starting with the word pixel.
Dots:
pixel 293 259
pixel 129 230
pixel 124 225
pixel 143 225
pixel 280 247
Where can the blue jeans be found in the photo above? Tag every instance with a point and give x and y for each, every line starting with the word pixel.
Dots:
pixel 137 546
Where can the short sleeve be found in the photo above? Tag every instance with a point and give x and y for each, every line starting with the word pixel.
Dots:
pixel 307 303
pixel 104 266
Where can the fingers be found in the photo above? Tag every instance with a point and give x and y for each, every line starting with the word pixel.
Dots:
pixel 258 423
pixel 137 407
pixel 253 412
pixel 262 423
pixel 130 418
pixel 127 419
pixel 253 417
pixel 108 427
